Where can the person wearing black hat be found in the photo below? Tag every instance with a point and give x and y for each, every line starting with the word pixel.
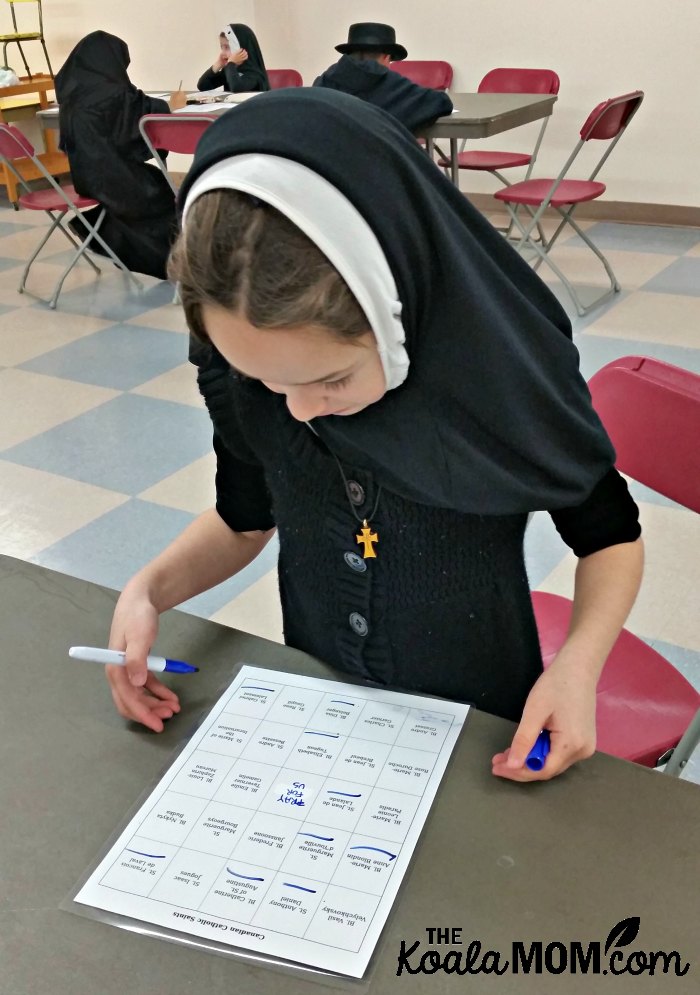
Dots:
pixel 363 71
pixel 239 67
pixel 393 389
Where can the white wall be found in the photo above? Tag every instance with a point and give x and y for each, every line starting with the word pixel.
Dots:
pixel 167 41
pixel 599 48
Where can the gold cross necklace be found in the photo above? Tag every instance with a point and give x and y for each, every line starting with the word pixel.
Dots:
pixel 367 538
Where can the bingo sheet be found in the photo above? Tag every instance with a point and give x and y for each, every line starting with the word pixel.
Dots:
pixel 286 824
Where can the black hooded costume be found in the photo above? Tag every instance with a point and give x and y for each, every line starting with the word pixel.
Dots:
pixel 413 105
pixel 249 77
pixel 99 112
pixel 492 421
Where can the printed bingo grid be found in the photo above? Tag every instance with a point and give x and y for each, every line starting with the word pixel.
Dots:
pixel 286 824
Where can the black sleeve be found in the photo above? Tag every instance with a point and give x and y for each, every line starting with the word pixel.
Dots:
pixel 210 80
pixel 241 80
pixel 415 106
pixel 242 498
pixel 607 517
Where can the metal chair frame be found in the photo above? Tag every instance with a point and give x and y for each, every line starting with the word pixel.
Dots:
pixel 544 247
pixel 19 36
pixel 190 125
pixel 25 150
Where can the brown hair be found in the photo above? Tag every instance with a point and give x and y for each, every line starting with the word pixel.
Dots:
pixel 242 255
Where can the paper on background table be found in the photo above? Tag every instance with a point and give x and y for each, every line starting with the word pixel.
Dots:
pixel 286 824
pixel 201 94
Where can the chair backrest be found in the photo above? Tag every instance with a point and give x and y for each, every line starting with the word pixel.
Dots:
pixel 174 132
pixel 281 78
pixel 434 74
pixel 14 144
pixel 651 411
pixel 520 81
pixel 610 118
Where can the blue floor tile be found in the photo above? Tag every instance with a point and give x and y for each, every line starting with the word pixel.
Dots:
pixel 114 298
pixel 685 660
pixel 112 548
pixel 6 263
pixel 681 277
pixel 8 228
pixel 598 350
pixel 125 445
pixel 640 492
pixel 640 238
pixel 121 357
pixel 544 548
pixel 210 602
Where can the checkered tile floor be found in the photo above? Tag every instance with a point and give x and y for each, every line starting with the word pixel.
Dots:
pixel 105 448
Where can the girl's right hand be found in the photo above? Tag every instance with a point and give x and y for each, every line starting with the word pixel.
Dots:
pixel 138 694
pixel 221 61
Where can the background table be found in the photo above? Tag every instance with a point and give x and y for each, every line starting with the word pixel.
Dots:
pixel 560 861
pixel 480 115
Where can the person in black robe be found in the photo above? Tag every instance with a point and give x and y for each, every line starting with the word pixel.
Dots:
pixel 433 410
pixel 239 69
pixel 363 71
pixel 99 112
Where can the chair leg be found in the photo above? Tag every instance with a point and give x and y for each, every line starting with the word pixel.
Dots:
pixel 76 245
pixel 543 255
pixel 24 60
pixel 59 285
pixel 56 223
pixel 46 55
pixel 93 233
pixel 682 753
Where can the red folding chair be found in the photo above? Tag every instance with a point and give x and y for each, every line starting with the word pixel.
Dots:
pixel 651 411
pixel 60 203
pixel 281 78
pixel 434 74
pixel 607 122
pixel 508 81
pixel 173 133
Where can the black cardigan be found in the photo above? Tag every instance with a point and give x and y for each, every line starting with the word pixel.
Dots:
pixel 444 608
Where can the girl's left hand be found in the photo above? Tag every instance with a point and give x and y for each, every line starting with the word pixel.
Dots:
pixel 239 57
pixel 563 700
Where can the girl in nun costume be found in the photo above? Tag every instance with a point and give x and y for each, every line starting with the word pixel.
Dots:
pixel 99 113
pixel 393 390
pixel 240 67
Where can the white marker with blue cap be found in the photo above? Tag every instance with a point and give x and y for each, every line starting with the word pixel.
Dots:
pixel 157 664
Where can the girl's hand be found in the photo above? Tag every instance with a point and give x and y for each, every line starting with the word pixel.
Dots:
pixel 221 61
pixel 178 99
pixel 238 58
pixel 138 694
pixel 562 701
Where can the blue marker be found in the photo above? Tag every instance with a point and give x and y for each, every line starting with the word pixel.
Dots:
pixel 535 759
pixel 158 664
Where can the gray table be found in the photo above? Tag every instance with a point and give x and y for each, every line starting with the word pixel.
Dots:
pixel 480 115
pixel 556 862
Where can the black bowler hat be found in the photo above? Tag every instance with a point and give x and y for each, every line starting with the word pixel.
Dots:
pixel 370 37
